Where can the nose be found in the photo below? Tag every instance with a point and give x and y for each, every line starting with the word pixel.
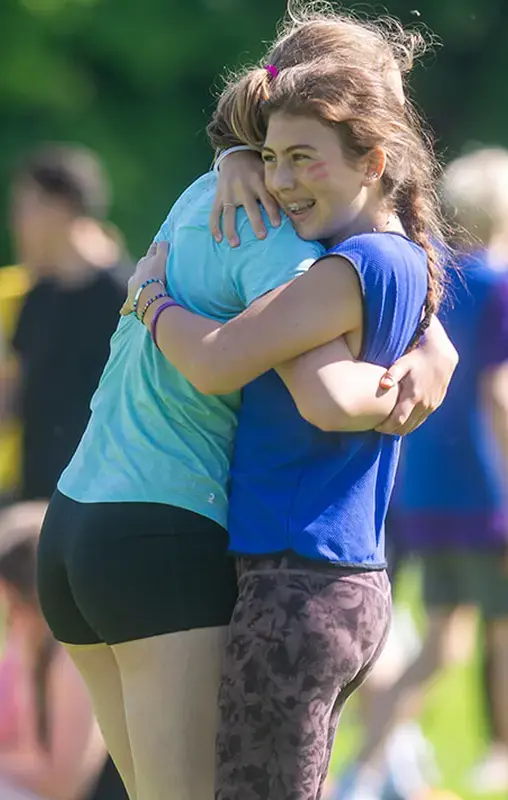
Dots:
pixel 282 178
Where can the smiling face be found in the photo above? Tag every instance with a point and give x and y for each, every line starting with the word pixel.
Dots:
pixel 322 192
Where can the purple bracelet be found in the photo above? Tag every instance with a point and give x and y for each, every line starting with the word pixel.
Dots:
pixel 158 312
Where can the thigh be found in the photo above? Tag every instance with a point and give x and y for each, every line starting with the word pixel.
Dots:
pixel 140 570
pixel 170 685
pixel 99 670
pixel 297 642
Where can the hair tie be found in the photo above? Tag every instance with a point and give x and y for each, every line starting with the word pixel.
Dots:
pixel 272 70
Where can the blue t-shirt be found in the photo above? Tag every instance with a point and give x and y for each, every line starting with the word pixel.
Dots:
pixel 451 486
pixel 325 495
pixel 152 436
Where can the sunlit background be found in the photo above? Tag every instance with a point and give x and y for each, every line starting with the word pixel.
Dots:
pixel 135 80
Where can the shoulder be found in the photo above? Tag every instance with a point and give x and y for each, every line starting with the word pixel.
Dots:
pixel 391 251
pixel 196 198
pixel 281 240
pixel 387 262
pixel 259 265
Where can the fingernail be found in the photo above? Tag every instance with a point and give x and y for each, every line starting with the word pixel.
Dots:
pixel 387 382
pixel 218 237
pixel 261 234
pixel 234 241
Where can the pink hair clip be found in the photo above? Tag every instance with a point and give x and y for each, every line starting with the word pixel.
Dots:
pixel 272 70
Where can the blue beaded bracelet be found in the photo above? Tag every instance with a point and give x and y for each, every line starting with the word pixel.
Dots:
pixel 143 286
pixel 149 303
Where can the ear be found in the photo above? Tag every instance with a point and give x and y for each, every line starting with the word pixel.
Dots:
pixel 375 163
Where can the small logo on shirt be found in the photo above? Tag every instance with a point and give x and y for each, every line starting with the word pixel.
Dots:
pixel 211 497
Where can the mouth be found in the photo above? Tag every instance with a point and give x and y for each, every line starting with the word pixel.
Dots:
pixel 300 209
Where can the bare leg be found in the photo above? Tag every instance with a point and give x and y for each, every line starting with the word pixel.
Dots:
pixel 99 670
pixel 497 632
pixel 170 685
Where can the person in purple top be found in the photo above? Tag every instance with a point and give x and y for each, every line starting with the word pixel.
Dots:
pixel 345 160
pixel 450 503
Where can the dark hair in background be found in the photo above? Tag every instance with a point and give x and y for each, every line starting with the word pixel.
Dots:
pixel 70 173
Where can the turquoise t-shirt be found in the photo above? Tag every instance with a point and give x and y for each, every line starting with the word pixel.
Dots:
pixel 152 437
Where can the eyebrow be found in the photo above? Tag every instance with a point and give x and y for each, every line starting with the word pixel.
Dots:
pixel 292 147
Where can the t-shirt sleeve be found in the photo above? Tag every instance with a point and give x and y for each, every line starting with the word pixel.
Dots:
pixel 493 339
pixel 258 266
pixel 392 273
pixel 165 232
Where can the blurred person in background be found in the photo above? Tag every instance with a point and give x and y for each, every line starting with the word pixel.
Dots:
pixel 73 270
pixel 50 744
pixel 450 501
pixel 76 265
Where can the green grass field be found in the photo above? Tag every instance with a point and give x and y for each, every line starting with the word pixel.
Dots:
pixel 453 717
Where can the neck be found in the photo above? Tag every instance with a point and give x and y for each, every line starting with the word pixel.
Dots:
pixel 69 268
pixel 381 220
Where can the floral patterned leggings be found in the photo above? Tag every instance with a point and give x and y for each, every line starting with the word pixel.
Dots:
pixel 302 638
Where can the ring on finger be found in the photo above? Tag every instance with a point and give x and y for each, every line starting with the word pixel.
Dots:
pixel 228 205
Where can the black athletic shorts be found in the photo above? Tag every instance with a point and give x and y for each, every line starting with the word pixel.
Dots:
pixel 115 572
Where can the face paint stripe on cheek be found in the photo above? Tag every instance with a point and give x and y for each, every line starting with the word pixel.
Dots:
pixel 319 171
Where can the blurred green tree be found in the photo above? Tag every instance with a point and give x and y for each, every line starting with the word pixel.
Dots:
pixel 134 79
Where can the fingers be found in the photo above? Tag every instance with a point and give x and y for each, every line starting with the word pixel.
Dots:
pixel 395 374
pixel 270 205
pixel 152 249
pixel 229 224
pixel 253 212
pixel 405 418
pixel 215 219
pixel 162 249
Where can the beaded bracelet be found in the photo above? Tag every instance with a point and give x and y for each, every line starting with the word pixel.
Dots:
pixel 143 286
pixel 157 313
pixel 149 303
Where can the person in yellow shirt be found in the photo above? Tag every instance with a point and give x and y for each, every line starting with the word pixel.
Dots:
pixel 14 284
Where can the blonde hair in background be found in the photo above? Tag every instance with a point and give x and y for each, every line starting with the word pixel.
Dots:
pixel 475 191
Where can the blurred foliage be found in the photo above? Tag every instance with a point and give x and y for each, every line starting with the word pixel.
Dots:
pixel 134 79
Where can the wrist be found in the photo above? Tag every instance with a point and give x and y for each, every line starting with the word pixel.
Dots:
pixel 139 298
pixel 225 153
pixel 152 308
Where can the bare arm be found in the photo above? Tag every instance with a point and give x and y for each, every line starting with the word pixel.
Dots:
pixel 334 392
pixel 75 751
pixel 316 308
pixel 494 395
pixel 424 375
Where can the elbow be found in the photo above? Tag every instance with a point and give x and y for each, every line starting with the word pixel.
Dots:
pixel 328 417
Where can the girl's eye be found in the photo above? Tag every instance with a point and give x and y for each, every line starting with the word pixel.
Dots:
pixel 268 158
pixel 300 157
